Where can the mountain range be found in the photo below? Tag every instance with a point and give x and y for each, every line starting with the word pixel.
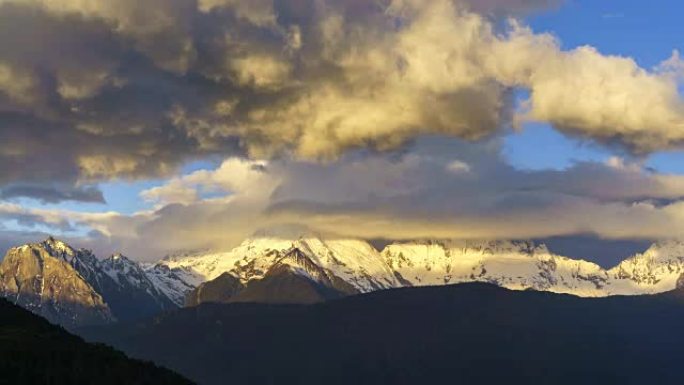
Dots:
pixel 74 288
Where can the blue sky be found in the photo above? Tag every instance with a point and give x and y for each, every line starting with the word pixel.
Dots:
pixel 647 33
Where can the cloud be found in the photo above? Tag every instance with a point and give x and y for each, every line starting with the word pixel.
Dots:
pixel 9 239
pixel 377 119
pixel 512 7
pixel 53 194
pixel 101 90
pixel 402 195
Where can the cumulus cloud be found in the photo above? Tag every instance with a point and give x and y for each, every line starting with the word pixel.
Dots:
pixel 93 90
pixel 248 179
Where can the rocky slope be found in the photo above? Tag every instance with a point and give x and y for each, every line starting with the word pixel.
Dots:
pixel 41 278
pixel 128 290
pixel 219 290
pixel 74 288
pixel 292 279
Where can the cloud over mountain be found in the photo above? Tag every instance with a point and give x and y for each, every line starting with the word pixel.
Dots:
pixel 436 188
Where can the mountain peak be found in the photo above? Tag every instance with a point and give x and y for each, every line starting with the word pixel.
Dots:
pixel 53 245
pixel 121 263
pixel 662 251
pixel 119 258
pixel 45 279
pixel 50 276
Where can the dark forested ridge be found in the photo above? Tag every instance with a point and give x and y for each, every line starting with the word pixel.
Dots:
pixel 34 351
pixel 464 334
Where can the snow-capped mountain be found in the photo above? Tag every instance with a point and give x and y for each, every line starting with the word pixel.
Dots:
pixel 174 283
pixel 301 266
pixel 514 265
pixel 523 265
pixel 658 269
pixel 42 279
pixel 73 287
pixel 128 289
pixel 293 278
pixel 354 261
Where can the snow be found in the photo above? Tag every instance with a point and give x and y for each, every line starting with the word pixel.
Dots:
pixel 174 283
pixel 514 265
pixel 517 266
pixel 656 270
pixel 520 266
pixel 354 261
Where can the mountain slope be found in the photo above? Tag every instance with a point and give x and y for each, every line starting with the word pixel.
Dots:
pixel 656 270
pixel 470 334
pixel 33 277
pixel 174 282
pixel 523 265
pixel 122 283
pixel 354 261
pixel 74 288
pixel 514 265
pixel 219 290
pixel 292 279
pixel 128 290
pixel 33 351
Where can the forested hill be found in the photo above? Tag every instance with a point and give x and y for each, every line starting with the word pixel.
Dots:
pixel 34 351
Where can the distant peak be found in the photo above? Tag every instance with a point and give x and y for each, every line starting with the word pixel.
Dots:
pixel 53 241
pixel 663 250
pixel 118 258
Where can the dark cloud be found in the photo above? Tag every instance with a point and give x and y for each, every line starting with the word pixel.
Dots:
pixel 512 7
pixel 33 221
pixel 607 253
pixel 46 194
